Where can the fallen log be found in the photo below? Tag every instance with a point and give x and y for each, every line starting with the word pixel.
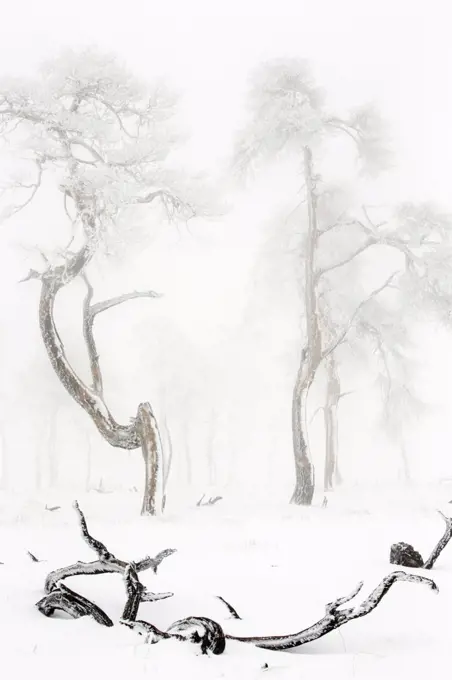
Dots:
pixel 106 562
pixel 199 630
pixel 137 593
pixel 404 555
pixel 335 617
pixel 67 600
pixel 211 637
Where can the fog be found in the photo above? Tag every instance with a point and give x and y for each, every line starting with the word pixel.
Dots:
pixel 217 353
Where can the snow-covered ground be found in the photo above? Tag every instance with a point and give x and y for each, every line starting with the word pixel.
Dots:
pixel 277 565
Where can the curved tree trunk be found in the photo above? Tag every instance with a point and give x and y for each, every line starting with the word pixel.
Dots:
pixel 142 432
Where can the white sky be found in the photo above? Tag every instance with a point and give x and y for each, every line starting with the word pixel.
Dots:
pixel 396 52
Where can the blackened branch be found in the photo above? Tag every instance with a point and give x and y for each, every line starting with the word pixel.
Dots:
pixel 106 562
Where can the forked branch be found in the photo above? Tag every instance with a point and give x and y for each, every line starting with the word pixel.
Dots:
pixel 334 616
pixel 106 562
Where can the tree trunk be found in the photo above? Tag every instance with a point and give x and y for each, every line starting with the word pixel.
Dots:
pixel 142 432
pixel 304 470
pixel 331 472
pixel 311 354
pixel 151 449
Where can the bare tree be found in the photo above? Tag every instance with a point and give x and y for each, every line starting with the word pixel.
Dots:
pixel 105 137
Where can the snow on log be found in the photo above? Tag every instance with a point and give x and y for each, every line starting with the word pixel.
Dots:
pixel 106 562
pixel 335 617
pixel 230 608
pixel 210 636
pixel 67 600
pixel 404 555
pixel 137 593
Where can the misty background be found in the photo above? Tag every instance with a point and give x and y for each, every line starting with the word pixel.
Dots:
pixel 216 355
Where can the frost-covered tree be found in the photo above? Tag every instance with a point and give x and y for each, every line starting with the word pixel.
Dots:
pixel 101 141
pixel 289 116
pixel 354 266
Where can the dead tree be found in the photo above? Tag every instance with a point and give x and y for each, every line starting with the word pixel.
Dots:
pixel 205 632
pixel 106 562
pixel 211 637
pixel 334 616
pixel 67 600
pixel 405 555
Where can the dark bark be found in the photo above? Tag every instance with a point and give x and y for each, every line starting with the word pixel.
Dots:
pixel 230 608
pixel 443 541
pixel 211 637
pixel 405 555
pixel 106 562
pixel 200 630
pixel 137 593
pixel 335 617
pixel 67 600
pixel 206 633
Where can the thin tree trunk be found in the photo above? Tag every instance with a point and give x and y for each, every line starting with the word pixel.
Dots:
pixel 304 470
pixel 311 354
pixel 331 471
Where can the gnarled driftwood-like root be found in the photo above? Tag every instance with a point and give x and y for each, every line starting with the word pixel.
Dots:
pixel 335 617
pixel 211 637
pixel 106 562
pixel 67 600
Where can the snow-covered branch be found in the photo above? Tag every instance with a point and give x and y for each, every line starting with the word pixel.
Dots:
pixel 345 331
